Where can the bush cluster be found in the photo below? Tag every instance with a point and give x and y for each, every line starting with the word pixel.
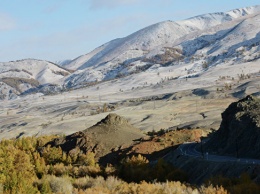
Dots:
pixel 26 167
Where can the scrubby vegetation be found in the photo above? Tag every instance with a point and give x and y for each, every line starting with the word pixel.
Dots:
pixel 63 73
pixel 243 184
pixel 28 167
pixel 168 56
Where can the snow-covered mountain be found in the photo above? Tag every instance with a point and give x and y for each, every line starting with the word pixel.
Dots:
pixel 200 46
pixel 206 39
pixel 17 77
pixel 63 62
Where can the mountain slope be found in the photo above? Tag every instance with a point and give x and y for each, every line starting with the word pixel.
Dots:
pixel 209 38
pixel 17 77
pixel 156 35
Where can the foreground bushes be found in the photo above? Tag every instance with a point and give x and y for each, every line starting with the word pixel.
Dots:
pixel 240 185
pixel 113 185
pixel 24 170
pixel 137 169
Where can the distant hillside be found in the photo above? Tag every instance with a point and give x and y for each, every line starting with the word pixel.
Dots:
pixel 188 48
pixel 18 77
pixel 239 132
pixel 160 34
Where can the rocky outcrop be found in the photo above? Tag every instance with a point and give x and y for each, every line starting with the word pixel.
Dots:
pixel 239 132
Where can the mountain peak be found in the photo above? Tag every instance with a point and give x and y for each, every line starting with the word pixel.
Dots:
pixel 113 119
pixel 235 13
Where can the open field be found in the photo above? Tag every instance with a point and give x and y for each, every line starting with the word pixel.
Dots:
pixel 193 102
pixel 51 114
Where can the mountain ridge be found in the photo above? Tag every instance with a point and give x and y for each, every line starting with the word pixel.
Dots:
pixel 170 43
pixel 186 26
pixel 165 51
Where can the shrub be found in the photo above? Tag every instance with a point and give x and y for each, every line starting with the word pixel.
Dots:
pixel 60 184
pixel 205 65
pixel 212 190
pixel 134 168
pixel 82 183
pixel 87 159
pixel 52 155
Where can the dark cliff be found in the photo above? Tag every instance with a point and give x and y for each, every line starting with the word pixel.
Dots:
pixel 239 132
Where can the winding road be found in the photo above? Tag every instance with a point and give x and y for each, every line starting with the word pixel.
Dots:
pixel 189 149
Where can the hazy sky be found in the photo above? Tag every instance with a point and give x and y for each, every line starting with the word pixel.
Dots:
pixel 65 29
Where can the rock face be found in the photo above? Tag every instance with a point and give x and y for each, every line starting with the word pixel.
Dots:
pixel 111 132
pixel 239 132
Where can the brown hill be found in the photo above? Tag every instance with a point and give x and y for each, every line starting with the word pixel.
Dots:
pixel 239 132
pixel 113 132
